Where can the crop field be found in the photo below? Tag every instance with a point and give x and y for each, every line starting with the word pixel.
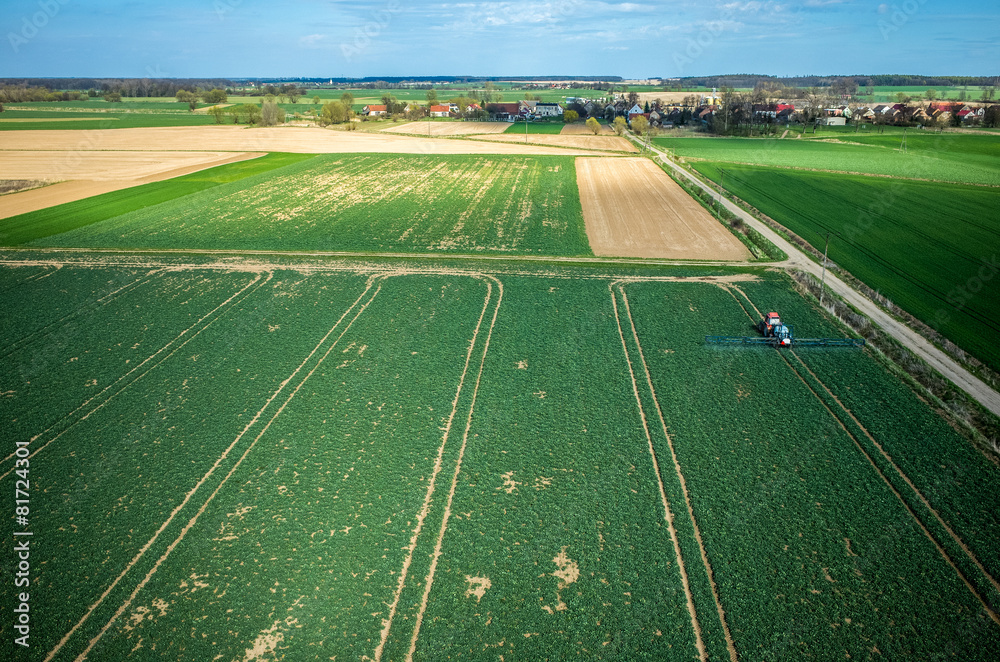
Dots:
pixel 944 157
pixel 536 128
pixel 384 460
pixel 440 128
pixel 36 225
pixel 468 204
pixel 98 114
pixel 930 247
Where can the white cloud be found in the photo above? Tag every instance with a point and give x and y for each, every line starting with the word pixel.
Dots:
pixel 312 40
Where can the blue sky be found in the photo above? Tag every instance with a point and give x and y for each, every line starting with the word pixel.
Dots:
pixel 635 39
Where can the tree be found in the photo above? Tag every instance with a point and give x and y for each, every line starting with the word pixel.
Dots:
pixel 931 94
pixel 270 113
pixel 113 97
pixel 347 99
pixel 619 125
pixel 216 95
pixel 633 99
pixel 640 124
pixel 904 98
pixel 316 100
pixel 594 125
pixel 570 116
pixel 217 112
pixel 432 97
pixel 415 111
pixel 334 112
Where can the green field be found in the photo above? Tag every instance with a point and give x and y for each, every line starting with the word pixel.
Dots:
pixel 927 246
pixel 37 225
pixel 536 128
pixel 345 202
pixel 972 159
pixel 387 460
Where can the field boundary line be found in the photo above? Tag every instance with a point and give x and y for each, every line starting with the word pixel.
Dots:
pixel 906 479
pixel 255 282
pixel 80 310
pixel 425 508
pixel 429 580
pixel 667 513
pixel 208 474
pixel 730 644
pixel 909 509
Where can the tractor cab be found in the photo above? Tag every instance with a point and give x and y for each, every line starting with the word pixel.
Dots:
pixel 768 325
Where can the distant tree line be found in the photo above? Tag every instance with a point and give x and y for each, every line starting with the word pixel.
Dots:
pixel 127 87
pixel 897 80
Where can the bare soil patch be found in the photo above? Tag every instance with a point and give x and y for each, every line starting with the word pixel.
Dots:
pixel 103 166
pixel 77 189
pixel 448 128
pixel 232 138
pixel 581 129
pixel 16 185
pixel 604 143
pixel 631 208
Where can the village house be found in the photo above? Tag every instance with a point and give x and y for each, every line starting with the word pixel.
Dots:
pixel 373 110
pixel 440 111
pixel 543 109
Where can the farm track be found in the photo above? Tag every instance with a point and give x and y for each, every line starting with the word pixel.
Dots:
pixel 680 476
pixel 429 580
pixel 256 283
pixel 193 520
pixel 431 485
pixel 667 514
pixel 841 415
pixel 87 307
pixel 902 333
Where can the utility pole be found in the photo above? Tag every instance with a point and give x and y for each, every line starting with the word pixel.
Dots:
pixel 822 284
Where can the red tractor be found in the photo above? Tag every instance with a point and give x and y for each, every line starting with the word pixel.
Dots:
pixel 771 327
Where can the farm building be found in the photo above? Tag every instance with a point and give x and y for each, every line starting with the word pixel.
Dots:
pixel 440 111
pixel 544 109
pixel 373 110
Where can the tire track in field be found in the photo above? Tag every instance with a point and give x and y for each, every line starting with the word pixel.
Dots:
pixel 256 284
pixel 425 508
pixel 909 509
pixel 80 310
pixel 429 580
pixel 730 644
pixel 904 477
pixel 187 498
pixel 667 514
pixel 39 276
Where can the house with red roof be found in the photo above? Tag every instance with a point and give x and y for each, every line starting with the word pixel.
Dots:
pixel 374 110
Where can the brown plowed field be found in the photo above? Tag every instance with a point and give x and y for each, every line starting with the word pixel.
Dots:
pixel 631 208
pixel 581 129
pixel 107 166
pixel 606 143
pixel 448 128
pixel 233 138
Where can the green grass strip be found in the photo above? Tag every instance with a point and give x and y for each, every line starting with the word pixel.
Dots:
pixel 18 230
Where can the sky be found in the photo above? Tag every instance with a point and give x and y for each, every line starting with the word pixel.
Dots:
pixel 413 38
